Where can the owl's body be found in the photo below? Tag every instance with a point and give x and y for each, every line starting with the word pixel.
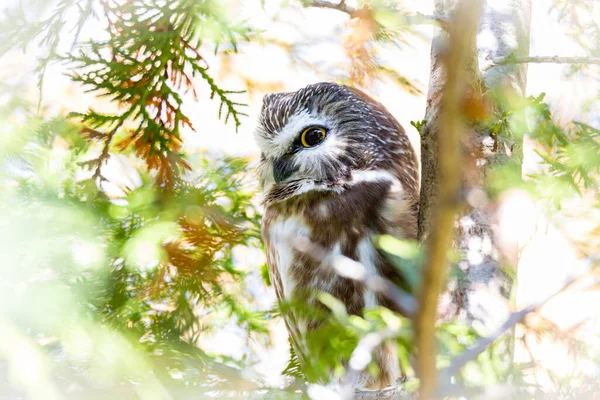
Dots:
pixel 337 170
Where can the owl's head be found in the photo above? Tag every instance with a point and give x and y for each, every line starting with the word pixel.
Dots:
pixel 317 138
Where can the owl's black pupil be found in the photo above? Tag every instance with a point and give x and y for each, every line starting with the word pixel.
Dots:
pixel 313 137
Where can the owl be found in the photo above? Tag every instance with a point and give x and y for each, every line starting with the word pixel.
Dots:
pixel 337 170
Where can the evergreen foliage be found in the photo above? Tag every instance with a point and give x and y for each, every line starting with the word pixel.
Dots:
pixel 113 294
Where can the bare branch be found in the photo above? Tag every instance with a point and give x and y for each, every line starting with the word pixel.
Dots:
pixel 340 6
pixel 541 59
pixel 352 269
pixel 460 52
pixel 417 19
pixel 356 271
pixel 485 342
pixel 482 344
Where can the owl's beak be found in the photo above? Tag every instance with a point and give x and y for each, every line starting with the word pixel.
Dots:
pixel 283 168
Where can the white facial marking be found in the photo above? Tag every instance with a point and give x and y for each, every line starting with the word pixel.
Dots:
pixel 309 186
pixel 372 176
pixel 281 143
pixel 315 160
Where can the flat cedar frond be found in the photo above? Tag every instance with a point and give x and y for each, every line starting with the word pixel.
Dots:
pixel 151 58
pixel 158 282
pixel 169 167
pixel 203 234
pixel 370 30
pixel 197 234
pixel 571 155
pixel 293 368
pixel 400 80
pixel 188 262
pixel 92 134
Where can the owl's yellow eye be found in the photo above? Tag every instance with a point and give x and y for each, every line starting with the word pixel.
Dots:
pixel 312 136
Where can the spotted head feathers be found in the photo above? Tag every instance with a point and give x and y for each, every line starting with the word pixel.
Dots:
pixel 360 134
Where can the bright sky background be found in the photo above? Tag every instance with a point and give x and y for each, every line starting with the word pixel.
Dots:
pixel 321 34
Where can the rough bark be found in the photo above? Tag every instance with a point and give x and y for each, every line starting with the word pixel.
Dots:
pixel 504 32
pixel 429 135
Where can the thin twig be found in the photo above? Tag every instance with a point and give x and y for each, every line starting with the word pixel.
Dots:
pixel 416 19
pixel 374 282
pixel 513 319
pixel 340 6
pixel 482 344
pixel 541 59
pixel 377 284
pixel 461 49
pixel 103 157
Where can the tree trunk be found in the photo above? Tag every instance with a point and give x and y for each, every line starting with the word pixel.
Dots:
pixel 503 31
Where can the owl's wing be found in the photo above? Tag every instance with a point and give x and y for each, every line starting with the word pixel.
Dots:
pixel 401 213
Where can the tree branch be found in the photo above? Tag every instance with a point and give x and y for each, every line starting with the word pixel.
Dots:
pixel 495 62
pixel 351 269
pixel 417 19
pixel 354 270
pixel 457 59
pixel 483 343
pixel 340 6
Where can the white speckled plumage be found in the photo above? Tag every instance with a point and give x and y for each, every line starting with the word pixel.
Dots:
pixel 359 182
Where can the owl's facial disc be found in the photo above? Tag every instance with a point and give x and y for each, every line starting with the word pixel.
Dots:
pixel 326 137
pixel 306 149
pixel 286 166
pixel 283 168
